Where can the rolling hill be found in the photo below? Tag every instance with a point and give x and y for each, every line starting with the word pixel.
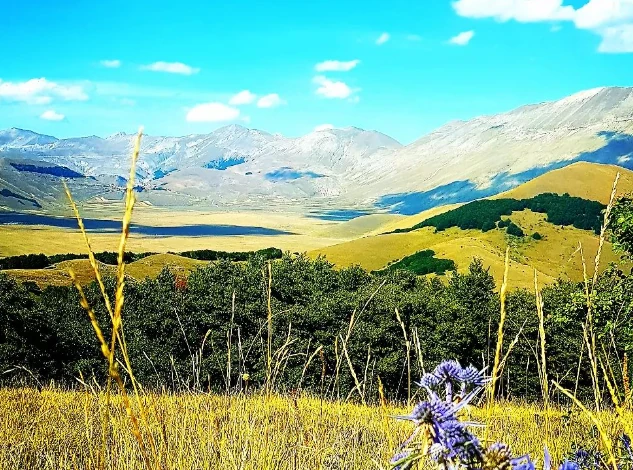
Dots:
pixel 556 255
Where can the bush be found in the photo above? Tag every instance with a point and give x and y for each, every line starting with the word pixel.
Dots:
pixel 537 236
pixel 503 223
pixel 514 230
pixel 424 262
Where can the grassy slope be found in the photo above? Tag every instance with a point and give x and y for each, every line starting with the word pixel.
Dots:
pixel 591 181
pixel 459 245
pixel 225 432
pixel 147 267
pixel 555 256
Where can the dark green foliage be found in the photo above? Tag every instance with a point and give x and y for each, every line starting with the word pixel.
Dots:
pixel 537 236
pixel 514 230
pixel 486 213
pixel 166 321
pixel 25 262
pixel 621 224
pixel 211 255
pixel 41 261
pixel 503 223
pixel 424 262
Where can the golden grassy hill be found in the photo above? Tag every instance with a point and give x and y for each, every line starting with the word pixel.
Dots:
pixel 591 181
pixel 554 256
pixel 410 220
pixel 150 266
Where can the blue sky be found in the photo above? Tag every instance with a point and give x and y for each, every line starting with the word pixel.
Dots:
pixel 80 67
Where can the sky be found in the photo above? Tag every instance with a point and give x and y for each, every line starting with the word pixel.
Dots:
pixel 77 67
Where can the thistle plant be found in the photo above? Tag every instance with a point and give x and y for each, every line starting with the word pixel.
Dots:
pixel 441 436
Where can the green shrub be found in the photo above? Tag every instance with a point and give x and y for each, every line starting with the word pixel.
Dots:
pixel 514 230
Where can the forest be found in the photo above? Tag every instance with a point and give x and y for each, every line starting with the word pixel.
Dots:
pixel 40 261
pixel 486 214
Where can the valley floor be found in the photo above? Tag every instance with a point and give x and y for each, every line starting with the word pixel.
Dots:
pixel 55 429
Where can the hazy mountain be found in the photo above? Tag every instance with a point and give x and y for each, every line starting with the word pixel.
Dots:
pixel 334 168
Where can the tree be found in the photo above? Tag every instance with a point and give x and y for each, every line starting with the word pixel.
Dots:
pixel 514 230
pixel 621 225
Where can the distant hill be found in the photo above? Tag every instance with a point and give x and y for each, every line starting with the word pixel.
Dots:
pixel 554 255
pixel 586 180
pixel 351 170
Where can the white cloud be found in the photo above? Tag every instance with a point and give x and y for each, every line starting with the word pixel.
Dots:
pixel 270 101
pixel 383 38
pixel 462 39
pixel 111 64
pixel 171 67
pixel 51 115
pixel 604 13
pixel 336 66
pixel 323 127
pixel 332 89
pixel 524 11
pixel 212 112
pixel 612 20
pixel 243 97
pixel 40 91
pixel 617 39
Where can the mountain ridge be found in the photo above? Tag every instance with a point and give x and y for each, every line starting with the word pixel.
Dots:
pixel 346 168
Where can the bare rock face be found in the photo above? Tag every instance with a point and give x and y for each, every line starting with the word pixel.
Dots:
pixel 341 168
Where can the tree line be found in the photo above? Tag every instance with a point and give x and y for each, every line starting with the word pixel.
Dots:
pixel 167 322
pixel 41 261
pixel 486 214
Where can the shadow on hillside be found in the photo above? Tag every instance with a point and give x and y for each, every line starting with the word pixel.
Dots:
pixel 618 150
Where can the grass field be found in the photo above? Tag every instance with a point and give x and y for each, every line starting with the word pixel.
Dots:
pixel 591 181
pixel 150 266
pixel 556 255
pixel 55 429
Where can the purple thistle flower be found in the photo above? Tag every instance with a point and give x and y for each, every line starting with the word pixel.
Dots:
pixel 460 443
pixel 569 465
pixel 522 463
pixel 471 376
pixel 496 457
pixel 429 381
pixel 448 370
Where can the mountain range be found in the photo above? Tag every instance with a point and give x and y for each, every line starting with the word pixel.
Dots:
pixel 330 171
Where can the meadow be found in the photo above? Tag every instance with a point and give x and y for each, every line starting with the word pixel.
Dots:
pixel 57 429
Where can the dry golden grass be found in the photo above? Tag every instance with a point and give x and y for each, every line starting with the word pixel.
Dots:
pixel 586 180
pixel 55 429
pixel 403 222
pixel 58 275
pixel 553 257
pixel 17 240
pixel 147 267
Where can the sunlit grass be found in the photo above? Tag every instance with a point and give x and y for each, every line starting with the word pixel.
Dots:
pixel 56 429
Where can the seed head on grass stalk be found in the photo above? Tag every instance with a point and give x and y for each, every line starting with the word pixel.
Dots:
pixel 115 316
